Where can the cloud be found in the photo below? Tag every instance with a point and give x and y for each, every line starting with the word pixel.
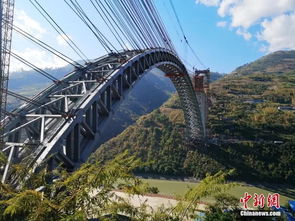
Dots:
pixel 208 2
pixel 225 6
pixel 221 24
pixel 247 36
pixel 39 58
pixel 61 39
pixel 279 32
pixel 275 20
pixel 248 12
pixel 23 21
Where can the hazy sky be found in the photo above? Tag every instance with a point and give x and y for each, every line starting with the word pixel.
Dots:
pixel 224 33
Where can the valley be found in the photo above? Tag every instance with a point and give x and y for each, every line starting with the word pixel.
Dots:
pixel 244 123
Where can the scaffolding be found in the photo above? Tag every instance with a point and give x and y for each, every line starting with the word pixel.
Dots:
pixel 201 82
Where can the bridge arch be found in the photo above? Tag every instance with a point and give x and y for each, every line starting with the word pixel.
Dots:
pixel 67 124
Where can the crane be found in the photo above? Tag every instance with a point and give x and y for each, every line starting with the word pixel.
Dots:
pixel 6 15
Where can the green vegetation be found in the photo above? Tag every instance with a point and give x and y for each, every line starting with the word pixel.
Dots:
pixel 157 139
pixel 277 62
pixel 244 122
pixel 172 188
pixel 247 108
pixel 88 194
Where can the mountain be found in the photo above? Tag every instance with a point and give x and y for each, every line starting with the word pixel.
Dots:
pixel 24 79
pixel 276 62
pixel 149 93
pixel 248 132
pixel 214 76
pixel 29 82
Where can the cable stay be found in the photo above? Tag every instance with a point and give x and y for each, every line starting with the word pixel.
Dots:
pixel 138 25
pixel 76 7
pixel 129 19
pixel 140 22
pixel 8 116
pixel 151 25
pixel 184 36
pixel 8 113
pixel 108 23
pixel 47 47
pixel 154 26
pixel 161 25
pixel 120 22
pixel 151 29
pixel 23 98
pixel 35 68
pixel 59 30
pixel 36 103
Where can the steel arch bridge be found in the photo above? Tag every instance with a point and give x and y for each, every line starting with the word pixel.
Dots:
pixel 64 123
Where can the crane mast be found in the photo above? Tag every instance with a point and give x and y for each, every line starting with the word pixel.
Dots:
pixel 6 14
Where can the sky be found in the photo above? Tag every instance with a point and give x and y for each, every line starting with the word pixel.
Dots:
pixel 224 34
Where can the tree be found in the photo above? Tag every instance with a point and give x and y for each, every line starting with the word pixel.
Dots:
pixel 88 193
pixel 225 208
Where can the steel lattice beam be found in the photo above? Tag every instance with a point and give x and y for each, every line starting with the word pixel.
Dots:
pixel 89 97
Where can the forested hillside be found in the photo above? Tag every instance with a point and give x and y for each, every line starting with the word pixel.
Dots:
pixel 149 93
pixel 277 62
pixel 245 127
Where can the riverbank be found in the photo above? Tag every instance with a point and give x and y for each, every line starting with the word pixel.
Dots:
pixel 174 187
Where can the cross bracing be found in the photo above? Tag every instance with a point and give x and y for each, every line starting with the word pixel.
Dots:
pixel 66 126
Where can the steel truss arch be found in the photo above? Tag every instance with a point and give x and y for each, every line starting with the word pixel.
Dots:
pixel 66 128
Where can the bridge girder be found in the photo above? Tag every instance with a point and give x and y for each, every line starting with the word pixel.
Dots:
pixel 88 97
